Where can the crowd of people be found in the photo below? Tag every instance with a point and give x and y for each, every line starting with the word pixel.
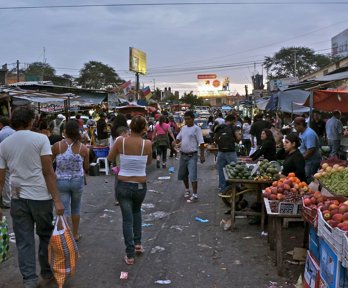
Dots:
pixel 46 170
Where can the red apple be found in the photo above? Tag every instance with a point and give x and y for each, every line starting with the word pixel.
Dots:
pixel 332 223
pixel 333 206
pixel 307 201
pixel 326 215
pixel 338 217
pixel 343 208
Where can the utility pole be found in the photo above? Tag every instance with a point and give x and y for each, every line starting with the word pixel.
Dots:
pixel 17 71
pixel 154 84
pixel 295 63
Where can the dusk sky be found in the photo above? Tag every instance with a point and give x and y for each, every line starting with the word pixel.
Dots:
pixel 180 41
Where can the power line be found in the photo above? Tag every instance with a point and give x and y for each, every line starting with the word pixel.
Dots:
pixel 174 4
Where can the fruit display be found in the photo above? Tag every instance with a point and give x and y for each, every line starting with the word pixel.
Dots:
pixel 287 189
pixel 268 170
pixel 335 213
pixel 239 170
pixel 334 178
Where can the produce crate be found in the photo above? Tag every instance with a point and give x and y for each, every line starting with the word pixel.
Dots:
pixel 310 215
pixel 333 236
pixel 101 151
pixel 276 207
pixel 345 251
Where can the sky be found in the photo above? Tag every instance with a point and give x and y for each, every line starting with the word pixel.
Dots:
pixel 180 41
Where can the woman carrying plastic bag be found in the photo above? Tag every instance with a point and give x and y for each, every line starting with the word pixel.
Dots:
pixel 62 251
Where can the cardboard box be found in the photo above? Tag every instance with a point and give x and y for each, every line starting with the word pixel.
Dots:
pixel 332 272
pixel 311 274
pixel 313 244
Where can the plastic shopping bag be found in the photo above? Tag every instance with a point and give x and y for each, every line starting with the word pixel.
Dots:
pixel 252 151
pixel 4 240
pixel 62 251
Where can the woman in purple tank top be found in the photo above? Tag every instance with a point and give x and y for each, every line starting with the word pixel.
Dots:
pixel 72 162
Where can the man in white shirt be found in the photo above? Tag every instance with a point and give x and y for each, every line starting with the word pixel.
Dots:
pixel 27 156
pixel 190 137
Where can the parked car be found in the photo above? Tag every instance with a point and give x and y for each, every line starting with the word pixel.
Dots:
pixel 203 124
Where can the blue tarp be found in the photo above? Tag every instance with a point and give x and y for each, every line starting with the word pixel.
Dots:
pixel 290 101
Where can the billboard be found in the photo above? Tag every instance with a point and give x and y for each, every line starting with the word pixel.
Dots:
pixel 339 44
pixel 212 85
pixel 137 61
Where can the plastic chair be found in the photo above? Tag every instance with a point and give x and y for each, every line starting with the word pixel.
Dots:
pixel 106 168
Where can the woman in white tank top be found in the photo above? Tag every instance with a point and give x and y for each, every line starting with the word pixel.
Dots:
pixel 135 153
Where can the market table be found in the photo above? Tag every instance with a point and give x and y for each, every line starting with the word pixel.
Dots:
pixel 275 233
pixel 259 185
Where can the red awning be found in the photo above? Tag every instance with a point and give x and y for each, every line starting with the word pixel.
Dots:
pixel 329 100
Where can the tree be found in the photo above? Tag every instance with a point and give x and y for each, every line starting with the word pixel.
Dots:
pixel 282 64
pixel 191 99
pixel 97 75
pixel 40 69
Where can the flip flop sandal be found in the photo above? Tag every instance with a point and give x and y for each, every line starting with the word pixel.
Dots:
pixel 129 261
pixel 78 239
pixel 139 249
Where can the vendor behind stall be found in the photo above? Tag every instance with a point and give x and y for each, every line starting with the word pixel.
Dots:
pixel 293 159
pixel 267 149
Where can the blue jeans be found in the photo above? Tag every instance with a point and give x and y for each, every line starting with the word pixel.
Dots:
pixel 224 158
pixel 188 167
pixel 70 191
pixel 311 167
pixel 131 196
pixel 25 213
pixel 334 146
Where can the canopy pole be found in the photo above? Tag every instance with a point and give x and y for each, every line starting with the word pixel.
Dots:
pixel 310 105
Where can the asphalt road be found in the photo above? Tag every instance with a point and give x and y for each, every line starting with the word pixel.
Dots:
pixel 180 249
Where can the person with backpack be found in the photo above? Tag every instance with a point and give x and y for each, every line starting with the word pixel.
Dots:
pixel 225 136
pixel 57 125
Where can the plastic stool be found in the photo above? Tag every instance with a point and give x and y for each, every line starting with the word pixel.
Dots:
pixel 106 168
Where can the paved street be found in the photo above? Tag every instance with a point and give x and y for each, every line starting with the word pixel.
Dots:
pixel 178 248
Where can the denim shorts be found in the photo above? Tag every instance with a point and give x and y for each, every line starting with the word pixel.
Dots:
pixel 70 191
pixel 188 167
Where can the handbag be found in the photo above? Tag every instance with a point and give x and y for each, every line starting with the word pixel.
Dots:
pixel 4 240
pixel 62 252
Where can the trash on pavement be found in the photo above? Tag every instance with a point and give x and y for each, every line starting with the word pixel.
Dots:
pixel 263 233
pixel 201 220
pixel 105 216
pixel 248 237
pixel 146 225
pixel 155 215
pixel 124 275
pixel 163 282
pixel 155 191
pixel 171 170
pixel 178 227
pixel 157 249
pixel 163 178
pixel 107 210
pixel 226 224
pixel 204 246
pixel 148 205
pixel 237 262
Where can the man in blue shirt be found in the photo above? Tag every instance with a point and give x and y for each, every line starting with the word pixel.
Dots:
pixel 309 147
pixel 334 130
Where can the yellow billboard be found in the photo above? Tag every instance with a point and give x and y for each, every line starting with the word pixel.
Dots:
pixel 137 61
